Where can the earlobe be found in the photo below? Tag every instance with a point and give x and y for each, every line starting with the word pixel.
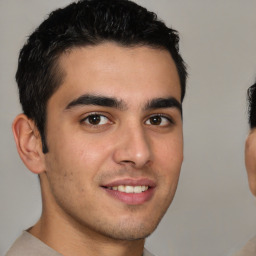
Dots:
pixel 28 143
pixel 250 160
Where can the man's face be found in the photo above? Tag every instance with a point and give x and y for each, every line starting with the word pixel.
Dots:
pixel 114 132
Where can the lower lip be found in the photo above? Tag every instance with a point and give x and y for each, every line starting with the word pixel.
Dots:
pixel 131 198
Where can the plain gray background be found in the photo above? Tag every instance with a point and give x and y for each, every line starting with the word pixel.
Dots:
pixel 213 212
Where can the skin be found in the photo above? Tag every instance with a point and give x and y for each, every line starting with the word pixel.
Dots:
pixel 250 160
pixel 131 143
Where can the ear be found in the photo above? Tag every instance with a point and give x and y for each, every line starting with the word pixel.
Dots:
pixel 28 143
pixel 250 160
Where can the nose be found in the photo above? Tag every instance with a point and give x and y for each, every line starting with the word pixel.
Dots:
pixel 133 148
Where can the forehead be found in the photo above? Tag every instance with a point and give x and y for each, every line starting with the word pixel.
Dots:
pixel 112 70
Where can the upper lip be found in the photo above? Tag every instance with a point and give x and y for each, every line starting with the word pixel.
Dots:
pixel 131 182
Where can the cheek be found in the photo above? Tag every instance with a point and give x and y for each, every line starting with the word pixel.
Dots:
pixel 168 161
pixel 81 147
pixel 170 153
pixel 79 159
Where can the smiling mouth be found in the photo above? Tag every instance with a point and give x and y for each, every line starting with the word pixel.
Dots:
pixel 131 192
pixel 129 189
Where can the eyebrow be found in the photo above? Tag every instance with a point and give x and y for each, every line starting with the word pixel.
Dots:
pixel 97 100
pixel 170 102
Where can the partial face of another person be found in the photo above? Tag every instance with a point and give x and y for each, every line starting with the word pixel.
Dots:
pixel 250 160
pixel 114 134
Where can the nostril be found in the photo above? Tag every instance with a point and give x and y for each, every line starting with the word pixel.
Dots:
pixel 128 162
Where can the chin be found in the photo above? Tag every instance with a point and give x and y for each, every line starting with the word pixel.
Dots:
pixel 130 231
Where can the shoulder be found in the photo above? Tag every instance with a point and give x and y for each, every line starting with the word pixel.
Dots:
pixel 249 248
pixel 27 244
pixel 147 253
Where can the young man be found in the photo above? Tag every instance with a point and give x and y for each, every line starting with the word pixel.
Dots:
pixel 250 161
pixel 101 84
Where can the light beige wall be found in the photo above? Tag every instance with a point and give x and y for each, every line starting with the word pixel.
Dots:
pixel 213 212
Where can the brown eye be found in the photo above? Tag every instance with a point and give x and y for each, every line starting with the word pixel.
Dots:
pixel 155 120
pixel 159 120
pixel 96 119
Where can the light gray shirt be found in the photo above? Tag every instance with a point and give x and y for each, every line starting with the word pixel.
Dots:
pixel 29 245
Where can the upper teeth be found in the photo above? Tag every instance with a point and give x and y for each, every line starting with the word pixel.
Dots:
pixel 130 189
